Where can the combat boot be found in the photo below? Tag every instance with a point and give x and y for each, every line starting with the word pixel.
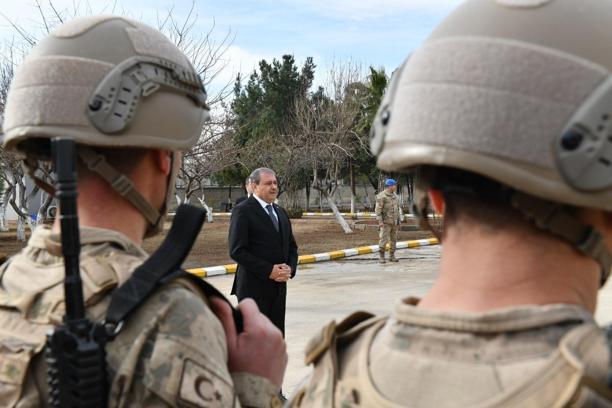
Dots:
pixel 381 256
pixel 392 257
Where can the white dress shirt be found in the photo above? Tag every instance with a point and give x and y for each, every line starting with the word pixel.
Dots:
pixel 264 205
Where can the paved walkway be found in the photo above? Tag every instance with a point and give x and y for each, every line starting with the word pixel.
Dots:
pixel 332 290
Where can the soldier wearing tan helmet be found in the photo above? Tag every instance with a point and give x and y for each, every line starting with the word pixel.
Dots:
pixel 506 114
pixel 132 102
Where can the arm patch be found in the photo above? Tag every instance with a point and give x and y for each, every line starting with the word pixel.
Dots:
pixel 201 387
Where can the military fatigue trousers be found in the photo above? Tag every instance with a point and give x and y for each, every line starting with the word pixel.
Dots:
pixel 388 234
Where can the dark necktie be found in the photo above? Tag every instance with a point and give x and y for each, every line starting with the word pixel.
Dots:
pixel 272 216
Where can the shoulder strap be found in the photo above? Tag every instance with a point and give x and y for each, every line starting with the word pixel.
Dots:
pixel 568 378
pixel 162 267
pixel 572 375
pixel 589 347
pixel 322 352
pixel 326 338
pixel 148 276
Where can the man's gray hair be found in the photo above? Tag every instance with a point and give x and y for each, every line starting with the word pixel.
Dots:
pixel 256 174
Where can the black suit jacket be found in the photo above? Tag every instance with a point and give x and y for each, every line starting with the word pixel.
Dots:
pixel 256 246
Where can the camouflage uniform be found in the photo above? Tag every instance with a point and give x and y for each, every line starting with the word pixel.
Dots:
pixel 530 356
pixel 498 107
pixel 388 212
pixel 171 352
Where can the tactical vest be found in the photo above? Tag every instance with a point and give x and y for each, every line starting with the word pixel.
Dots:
pixel 27 317
pixel 25 320
pixel 564 381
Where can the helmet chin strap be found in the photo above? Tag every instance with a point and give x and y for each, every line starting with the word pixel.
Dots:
pixel 123 185
pixel 559 220
pixel 119 182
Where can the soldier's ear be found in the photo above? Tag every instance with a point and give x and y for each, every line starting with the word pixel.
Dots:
pixel 436 198
pixel 163 160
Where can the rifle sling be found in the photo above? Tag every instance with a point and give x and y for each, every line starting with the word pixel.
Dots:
pixel 161 267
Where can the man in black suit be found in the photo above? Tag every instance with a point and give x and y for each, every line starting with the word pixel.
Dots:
pixel 262 243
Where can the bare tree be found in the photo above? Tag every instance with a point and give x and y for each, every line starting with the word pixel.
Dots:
pixel 214 151
pixel 6 161
pixel 327 124
pixel 17 195
pixel 206 53
pixel 11 172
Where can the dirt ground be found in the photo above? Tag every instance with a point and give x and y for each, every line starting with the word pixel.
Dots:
pixel 312 236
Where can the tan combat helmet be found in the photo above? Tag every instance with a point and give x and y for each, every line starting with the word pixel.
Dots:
pixel 519 91
pixel 106 81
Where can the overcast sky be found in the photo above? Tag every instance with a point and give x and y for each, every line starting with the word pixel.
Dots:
pixel 374 32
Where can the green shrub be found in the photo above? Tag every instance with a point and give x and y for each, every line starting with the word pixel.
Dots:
pixel 294 213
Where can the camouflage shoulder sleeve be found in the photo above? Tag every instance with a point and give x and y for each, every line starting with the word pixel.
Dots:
pixel 378 209
pixel 171 352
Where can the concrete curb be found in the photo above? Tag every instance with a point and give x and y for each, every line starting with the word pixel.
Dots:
pixel 344 214
pixel 325 256
pixel 319 214
pixel 357 215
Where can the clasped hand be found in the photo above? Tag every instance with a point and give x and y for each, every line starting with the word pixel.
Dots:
pixel 281 273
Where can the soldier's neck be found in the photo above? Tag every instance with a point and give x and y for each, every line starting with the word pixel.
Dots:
pixel 483 270
pixel 101 207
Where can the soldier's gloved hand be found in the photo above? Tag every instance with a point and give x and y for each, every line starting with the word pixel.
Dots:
pixel 260 349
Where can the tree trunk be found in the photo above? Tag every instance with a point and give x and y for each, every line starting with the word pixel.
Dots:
pixel 228 204
pixel 18 209
pixel 320 202
pixel 400 196
pixel 5 200
pixel 23 217
pixel 191 189
pixel 21 235
pixel 209 211
pixel 291 199
pixel 410 190
pixel 353 192
pixel 381 183
pixel 188 195
pixel 45 202
pixel 307 197
pixel 367 196
pixel 3 223
pixel 345 227
pixel 30 224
